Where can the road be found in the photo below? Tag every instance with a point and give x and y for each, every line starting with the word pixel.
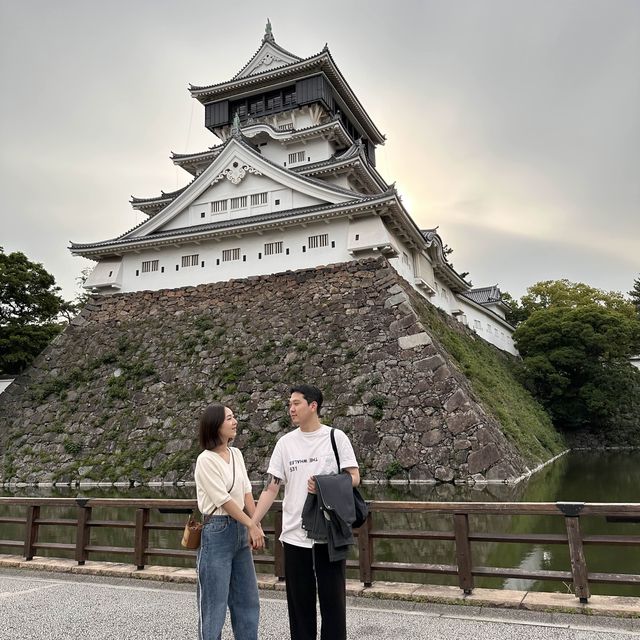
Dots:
pixel 37 606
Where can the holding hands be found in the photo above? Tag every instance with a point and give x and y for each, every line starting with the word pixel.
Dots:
pixel 256 536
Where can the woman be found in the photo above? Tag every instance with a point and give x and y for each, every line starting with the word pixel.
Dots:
pixel 225 565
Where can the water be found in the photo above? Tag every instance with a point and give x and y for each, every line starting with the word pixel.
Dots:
pixel 612 476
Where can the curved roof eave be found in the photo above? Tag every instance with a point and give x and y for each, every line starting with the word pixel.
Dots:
pixel 187 234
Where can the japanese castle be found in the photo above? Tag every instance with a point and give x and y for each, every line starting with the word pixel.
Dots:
pixel 292 185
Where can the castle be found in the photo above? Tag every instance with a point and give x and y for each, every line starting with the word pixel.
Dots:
pixel 292 185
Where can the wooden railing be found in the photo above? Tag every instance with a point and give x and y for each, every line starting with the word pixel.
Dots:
pixel 461 535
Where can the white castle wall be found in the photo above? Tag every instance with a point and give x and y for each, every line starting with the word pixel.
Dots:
pixel 171 273
pixel 487 326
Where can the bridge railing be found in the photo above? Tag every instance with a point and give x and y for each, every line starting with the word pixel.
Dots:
pixel 87 510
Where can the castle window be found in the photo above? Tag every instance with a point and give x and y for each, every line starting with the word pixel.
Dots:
pixel 230 254
pixel 190 261
pixel 297 156
pixel 289 96
pixel 239 202
pixel 150 265
pixel 218 206
pixel 258 198
pixel 477 325
pixel 277 202
pixel 202 214
pixel 271 248
pixel 321 240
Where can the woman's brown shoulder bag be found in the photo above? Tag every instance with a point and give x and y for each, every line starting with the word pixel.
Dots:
pixel 192 533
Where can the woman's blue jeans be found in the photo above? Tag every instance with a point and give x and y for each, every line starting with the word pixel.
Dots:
pixel 226 575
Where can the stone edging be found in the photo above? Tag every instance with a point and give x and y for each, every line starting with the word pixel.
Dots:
pixel 616 606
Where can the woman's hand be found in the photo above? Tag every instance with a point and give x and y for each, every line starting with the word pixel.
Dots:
pixel 256 535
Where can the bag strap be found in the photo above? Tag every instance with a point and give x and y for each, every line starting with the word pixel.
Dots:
pixel 335 448
pixel 233 462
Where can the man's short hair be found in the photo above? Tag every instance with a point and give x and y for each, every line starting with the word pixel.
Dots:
pixel 309 393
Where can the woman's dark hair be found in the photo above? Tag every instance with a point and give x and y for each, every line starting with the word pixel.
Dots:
pixel 210 422
pixel 309 393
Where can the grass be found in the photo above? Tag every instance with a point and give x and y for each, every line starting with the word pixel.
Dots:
pixel 493 378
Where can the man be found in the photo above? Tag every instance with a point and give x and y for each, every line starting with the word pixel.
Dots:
pixel 297 457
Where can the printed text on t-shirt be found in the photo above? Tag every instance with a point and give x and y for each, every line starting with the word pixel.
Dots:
pixel 293 464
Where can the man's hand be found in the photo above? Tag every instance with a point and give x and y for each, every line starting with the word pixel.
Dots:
pixel 311 485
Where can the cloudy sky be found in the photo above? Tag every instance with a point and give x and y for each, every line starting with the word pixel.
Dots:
pixel 513 126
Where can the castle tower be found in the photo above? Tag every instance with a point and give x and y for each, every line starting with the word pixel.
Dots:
pixel 291 185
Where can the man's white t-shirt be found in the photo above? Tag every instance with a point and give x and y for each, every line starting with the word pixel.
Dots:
pixel 296 457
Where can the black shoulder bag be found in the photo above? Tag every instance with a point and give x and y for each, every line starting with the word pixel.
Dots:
pixel 362 510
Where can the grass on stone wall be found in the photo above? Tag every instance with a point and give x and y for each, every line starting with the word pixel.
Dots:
pixel 493 377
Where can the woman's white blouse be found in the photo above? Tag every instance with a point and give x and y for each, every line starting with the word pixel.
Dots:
pixel 213 476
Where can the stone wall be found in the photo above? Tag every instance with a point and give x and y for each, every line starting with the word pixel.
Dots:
pixel 116 397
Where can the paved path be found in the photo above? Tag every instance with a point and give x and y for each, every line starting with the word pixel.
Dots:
pixel 37 606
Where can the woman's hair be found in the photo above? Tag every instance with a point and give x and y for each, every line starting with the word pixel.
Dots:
pixel 210 422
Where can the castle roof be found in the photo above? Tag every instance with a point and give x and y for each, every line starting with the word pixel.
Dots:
pixel 485 295
pixel 296 68
pixel 268 56
pixel 251 224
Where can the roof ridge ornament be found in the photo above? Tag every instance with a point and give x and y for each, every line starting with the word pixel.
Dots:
pixel 235 127
pixel 268 33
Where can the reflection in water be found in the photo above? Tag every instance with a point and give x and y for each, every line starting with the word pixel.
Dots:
pixel 612 476
pixel 533 561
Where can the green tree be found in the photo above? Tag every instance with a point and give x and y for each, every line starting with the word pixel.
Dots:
pixel 576 359
pixel 516 313
pixel 635 295
pixel 29 307
pixel 563 293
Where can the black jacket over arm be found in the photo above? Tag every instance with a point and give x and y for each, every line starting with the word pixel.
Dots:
pixel 328 514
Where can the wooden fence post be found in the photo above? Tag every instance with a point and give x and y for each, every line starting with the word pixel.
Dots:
pixel 578 561
pixel 141 538
pixel 365 551
pixel 571 511
pixel 83 533
pixel 463 552
pixel 31 531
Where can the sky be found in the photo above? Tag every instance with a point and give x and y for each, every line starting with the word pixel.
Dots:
pixel 512 126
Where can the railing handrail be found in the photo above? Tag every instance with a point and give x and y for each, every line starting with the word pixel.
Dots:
pixel 381 505
pixel 485 508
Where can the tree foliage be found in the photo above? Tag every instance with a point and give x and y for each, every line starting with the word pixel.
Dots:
pixel 576 343
pixel 515 314
pixel 635 295
pixel 29 307
pixel 563 293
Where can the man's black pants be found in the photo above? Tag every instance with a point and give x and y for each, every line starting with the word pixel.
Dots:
pixel 304 568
